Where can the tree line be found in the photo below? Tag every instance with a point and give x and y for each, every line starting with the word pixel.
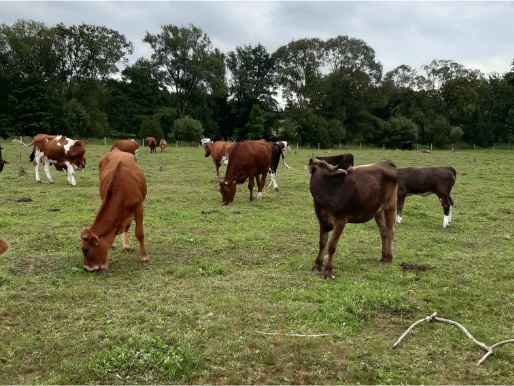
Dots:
pixel 76 81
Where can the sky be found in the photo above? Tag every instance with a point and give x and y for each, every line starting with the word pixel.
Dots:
pixel 476 34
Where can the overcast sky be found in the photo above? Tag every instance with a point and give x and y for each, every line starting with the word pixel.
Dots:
pixel 476 34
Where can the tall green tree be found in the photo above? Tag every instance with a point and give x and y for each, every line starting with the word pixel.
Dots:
pixel 186 59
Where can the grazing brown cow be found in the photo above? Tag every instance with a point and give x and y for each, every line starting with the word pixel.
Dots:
pixel 248 160
pixel 219 151
pixel 3 246
pixel 152 144
pixel 2 161
pixel 56 149
pixel 353 196
pixel 123 190
pixel 276 153
pixel 406 145
pixel 128 146
pixel 163 144
pixel 424 181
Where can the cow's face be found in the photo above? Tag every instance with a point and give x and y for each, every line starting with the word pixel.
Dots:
pixel 80 165
pixel 95 251
pixel 228 191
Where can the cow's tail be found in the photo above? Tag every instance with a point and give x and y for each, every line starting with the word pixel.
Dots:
pixel 284 161
pixel 454 172
pixel 21 143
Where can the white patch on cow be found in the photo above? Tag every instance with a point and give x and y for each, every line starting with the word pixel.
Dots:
pixel 398 219
pixel 445 221
pixel 71 174
pixel 259 195
pixel 68 145
pixel 273 181
pixel 450 215
pixel 135 153
pixel 224 161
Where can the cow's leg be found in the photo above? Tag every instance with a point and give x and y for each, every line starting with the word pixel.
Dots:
pixel 125 242
pixel 37 161
pixel 399 210
pixel 451 208
pixel 217 169
pixel 140 235
pixel 261 181
pixel 273 178
pixel 386 224
pixel 445 202
pixel 46 167
pixel 323 238
pixel 332 245
pixel 250 184
pixel 71 174
pixel 113 245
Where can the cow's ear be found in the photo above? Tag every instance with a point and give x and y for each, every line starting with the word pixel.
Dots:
pixel 93 239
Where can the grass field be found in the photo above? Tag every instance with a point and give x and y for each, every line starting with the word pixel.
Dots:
pixel 220 274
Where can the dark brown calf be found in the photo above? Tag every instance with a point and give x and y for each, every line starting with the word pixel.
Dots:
pixel 424 181
pixel 353 196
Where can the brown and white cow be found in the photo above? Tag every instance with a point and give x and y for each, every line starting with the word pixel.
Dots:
pixel 248 160
pixel 2 161
pixel 123 191
pixel 424 181
pixel 163 144
pixel 276 152
pixel 152 144
pixel 129 146
pixel 219 151
pixel 355 195
pixel 3 246
pixel 285 147
pixel 56 149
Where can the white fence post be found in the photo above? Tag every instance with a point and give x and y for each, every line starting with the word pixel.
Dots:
pixel 430 147
pixel 105 141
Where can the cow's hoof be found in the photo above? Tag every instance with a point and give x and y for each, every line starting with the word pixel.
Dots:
pixel 126 250
pixel 113 247
pixel 316 268
pixel 328 275
pixel 276 189
pixel 38 182
pixel 145 263
pixel 386 259
pixel 51 182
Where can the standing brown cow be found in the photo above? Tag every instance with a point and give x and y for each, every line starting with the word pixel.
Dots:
pixel 248 160
pixel 2 161
pixel 163 144
pixel 355 195
pixel 55 149
pixel 219 151
pixel 123 190
pixel 152 144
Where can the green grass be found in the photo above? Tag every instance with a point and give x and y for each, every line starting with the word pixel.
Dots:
pixel 218 274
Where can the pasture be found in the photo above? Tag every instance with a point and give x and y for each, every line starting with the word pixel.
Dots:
pixel 218 275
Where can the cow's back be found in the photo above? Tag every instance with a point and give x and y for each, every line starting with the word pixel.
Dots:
pixel 249 156
pixel 121 175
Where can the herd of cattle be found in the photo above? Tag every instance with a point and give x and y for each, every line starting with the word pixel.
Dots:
pixel 342 193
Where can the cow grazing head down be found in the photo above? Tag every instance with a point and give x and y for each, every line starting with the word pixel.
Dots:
pixel 228 191
pixel 95 251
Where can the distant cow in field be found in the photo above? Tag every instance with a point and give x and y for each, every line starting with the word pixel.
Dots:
pixel 424 181
pixel 219 151
pixel 122 190
pixel 248 160
pixel 56 149
pixel 406 145
pixel 3 246
pixel 152 144
pixel 163 144
pixel 276 153
pixel 355 195
pixel 425 151
pixel 2 161
pixel 128 146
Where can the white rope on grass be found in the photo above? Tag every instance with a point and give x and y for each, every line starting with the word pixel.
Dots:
pixel 433 318
pixel 305 336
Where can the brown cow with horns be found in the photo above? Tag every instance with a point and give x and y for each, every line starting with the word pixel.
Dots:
pixel 355 195
pixel 248 160
pixel 123 190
